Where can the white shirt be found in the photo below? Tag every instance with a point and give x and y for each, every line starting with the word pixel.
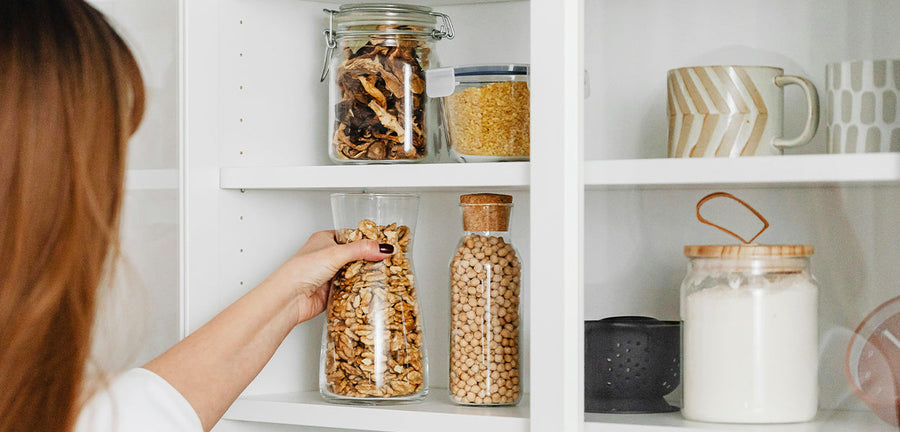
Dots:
pixel 138 401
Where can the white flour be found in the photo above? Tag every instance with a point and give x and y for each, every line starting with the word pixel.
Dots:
pixel 750 352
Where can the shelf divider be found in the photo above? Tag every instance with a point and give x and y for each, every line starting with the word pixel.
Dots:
pixel 448 176
pixel 811 170
pixel 825 421
pixel 767 171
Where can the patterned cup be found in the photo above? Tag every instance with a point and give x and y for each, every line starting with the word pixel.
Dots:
pixel 861 106
pixel 731 111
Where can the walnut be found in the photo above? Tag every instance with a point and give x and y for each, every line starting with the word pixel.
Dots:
pixel 373 336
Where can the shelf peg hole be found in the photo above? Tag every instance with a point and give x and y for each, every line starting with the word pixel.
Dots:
pixel 242 282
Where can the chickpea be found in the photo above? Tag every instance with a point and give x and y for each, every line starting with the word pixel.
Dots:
pixel 484 292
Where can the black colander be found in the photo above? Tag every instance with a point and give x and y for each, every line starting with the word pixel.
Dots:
pixel 630 363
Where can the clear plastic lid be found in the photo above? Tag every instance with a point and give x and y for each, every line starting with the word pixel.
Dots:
pixel 441 82
pixel 498 69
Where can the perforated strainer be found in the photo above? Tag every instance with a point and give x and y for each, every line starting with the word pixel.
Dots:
pixel 630 364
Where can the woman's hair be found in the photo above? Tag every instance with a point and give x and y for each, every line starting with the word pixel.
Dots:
pixel 71 95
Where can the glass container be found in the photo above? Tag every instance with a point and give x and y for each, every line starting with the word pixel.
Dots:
pixel 486 110
pixel 872 361
pixel 378 54
pixel 485 285
pixel 750 338
pixel 373 346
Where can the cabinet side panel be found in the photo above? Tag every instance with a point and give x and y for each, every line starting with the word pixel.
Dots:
pixel 557 218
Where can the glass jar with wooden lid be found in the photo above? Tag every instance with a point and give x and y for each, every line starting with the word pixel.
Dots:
pixel 750 331
pixel 485 285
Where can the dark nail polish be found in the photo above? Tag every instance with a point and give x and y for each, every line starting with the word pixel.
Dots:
pixel 386 248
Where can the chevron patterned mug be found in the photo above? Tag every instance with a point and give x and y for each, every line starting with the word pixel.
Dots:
pixel 731 111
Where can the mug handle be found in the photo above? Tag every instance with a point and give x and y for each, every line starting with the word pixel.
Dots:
pixel 812 120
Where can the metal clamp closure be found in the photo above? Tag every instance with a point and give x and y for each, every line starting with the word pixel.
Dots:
pixel 330 42
pixel 446 28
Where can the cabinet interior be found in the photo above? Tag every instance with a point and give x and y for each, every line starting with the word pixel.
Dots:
pixel 629 46
pixel 270 110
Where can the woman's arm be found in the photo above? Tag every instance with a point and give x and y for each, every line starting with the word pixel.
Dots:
pixel 215 363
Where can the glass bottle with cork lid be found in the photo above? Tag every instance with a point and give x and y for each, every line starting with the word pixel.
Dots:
pixel 750 330
pixel 485 287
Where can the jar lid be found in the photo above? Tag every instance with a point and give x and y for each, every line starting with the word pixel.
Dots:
pixel 361 14
pixel 748 251
pixel 441 82
pixel 749 248
pixel 492 69
pixel 485 211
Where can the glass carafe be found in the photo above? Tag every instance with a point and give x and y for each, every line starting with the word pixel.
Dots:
pixel 373 348
pixel 485 276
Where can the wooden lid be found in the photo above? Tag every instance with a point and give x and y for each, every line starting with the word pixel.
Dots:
pixel 485 198
pixel 748 251
pixel 485 211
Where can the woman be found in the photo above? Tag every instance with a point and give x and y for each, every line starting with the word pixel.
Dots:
pixel 71 95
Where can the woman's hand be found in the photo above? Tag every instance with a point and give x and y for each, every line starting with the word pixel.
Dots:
pixel 215 363
pixel 309 272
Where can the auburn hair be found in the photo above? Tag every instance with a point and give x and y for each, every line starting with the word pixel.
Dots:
pixel 71 95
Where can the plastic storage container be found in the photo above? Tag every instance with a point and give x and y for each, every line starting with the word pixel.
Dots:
pixel 486 111
pixel 378 54
pixel 750 332
pixel 485 284
pixel 373 347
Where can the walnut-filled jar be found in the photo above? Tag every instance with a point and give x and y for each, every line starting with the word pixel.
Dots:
pixel 373 347
pixel 485 284
pixel 378 54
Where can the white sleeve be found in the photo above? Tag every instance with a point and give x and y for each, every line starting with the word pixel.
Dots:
pixel 138 401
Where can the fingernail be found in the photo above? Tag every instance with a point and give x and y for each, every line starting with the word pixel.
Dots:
pixel 385 248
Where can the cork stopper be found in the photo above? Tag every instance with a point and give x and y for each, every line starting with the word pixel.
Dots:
pixel 485 211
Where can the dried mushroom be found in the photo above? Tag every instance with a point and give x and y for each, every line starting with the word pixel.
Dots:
pixel 381 112
pixel 374 342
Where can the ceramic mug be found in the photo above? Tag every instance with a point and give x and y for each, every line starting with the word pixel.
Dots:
pixel 861 106
pixel 730 111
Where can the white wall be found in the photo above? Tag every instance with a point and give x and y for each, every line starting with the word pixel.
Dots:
pixel 148 284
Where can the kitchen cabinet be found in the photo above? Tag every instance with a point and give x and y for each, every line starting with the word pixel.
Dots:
pixel 601 217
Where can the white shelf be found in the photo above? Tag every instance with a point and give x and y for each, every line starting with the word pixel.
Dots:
pixel 800 170
pixel 812 170
pixel 438 414
pixel 435 414
pixel 445 176
pixel 825 421
pixel 151 179
pixel 437 3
